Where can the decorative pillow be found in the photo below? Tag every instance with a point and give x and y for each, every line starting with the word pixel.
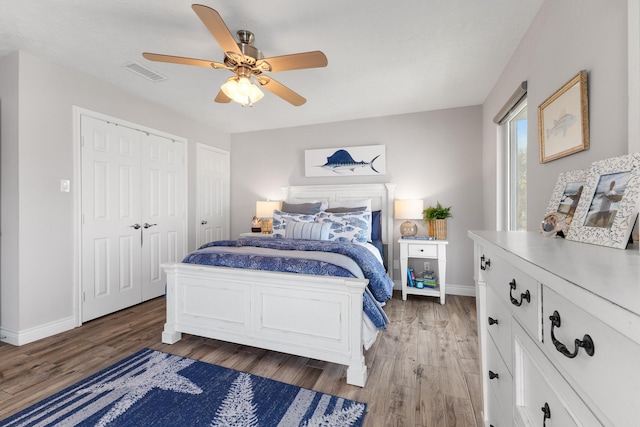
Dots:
pixel 335 204
pixel 281 219
pixel 376 226
pixel 344 209
pixel 348 226
pixel 308 230
pixel 311 208
pixel 350 204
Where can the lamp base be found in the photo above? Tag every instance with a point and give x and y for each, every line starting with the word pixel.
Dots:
pixel 266 225
pixel 408 228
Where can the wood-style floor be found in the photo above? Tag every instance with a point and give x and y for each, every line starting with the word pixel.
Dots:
pixel 423 371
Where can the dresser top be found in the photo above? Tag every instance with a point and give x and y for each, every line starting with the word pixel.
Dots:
pixel 612 274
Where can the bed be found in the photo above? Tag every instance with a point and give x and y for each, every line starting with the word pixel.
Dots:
pixel 315 316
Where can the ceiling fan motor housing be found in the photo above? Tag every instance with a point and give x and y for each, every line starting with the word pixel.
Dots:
pixel 250 52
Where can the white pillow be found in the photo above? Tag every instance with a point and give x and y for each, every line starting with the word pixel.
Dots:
pixel 308 230
pixel 348 226
pixel 281 219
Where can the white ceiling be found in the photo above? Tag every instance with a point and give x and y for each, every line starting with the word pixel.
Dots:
pixel 385 57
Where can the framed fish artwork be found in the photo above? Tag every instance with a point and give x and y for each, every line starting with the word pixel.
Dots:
pixel 351 161
pixel 563 120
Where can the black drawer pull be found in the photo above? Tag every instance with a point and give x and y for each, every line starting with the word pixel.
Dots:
pixel 493 375
pixel 547 413
pixel 525 296
pixel 484 263
pixel 493 321
pixel 586 343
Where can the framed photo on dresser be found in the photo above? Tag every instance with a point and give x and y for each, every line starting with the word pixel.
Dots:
pixel 608 208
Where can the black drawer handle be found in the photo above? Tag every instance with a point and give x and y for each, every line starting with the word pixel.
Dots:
pixel 547 414
pixel 493 321
pixel 586 343
pixel 493 375
pixel 525 296
pixel 484 263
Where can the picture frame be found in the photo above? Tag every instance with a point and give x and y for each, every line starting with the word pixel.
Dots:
pixel 563 120
pixel 567 193
pixel 608 208
pixel 346 161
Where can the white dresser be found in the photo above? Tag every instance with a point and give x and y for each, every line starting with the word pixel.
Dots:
pixel 559 331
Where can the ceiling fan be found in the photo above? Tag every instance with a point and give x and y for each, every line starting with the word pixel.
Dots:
pixel 246 62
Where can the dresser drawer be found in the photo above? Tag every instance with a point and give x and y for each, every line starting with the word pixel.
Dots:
pixel 499 325
pixel 422 251
pixel 496 417
pixel 517 290
pixel 609 379
pixel 499 379
pixel 538 385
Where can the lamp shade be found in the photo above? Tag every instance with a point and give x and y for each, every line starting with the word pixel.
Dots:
pixel 264 209
pixel 241 90
pixel 408 209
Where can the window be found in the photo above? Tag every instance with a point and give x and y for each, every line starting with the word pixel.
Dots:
pixel 516 133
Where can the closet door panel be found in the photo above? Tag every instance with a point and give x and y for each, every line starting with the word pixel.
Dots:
pixel 163 210
pixel 110 245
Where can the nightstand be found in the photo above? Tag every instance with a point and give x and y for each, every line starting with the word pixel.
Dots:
pixel 425 249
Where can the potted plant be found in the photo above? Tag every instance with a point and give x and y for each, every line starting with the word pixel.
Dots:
pixel 436 217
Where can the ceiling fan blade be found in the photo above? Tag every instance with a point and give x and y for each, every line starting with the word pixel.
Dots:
pixel 281 90
pixel 222 98
pixel 218 29
pixel 182 60
pixel 296 61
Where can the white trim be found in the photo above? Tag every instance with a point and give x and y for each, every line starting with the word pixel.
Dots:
pixel 633 29
pixel 30 335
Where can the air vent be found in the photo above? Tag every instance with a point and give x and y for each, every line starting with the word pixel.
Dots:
pixel 143 71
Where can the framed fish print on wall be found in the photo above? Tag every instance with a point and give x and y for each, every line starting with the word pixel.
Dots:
pixel 563 120
pixel 350 161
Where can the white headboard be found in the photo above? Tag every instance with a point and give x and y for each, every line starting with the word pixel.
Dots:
pixel 381 196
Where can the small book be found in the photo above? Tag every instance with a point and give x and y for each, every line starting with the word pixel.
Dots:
pixel 411 277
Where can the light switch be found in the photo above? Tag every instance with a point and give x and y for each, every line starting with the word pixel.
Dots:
pixel 65 185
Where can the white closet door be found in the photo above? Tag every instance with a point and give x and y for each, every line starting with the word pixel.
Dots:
pixel 110 211
pixel 163 198
pixel 213 181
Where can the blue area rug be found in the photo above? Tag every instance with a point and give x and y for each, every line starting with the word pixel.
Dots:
pixel 159 389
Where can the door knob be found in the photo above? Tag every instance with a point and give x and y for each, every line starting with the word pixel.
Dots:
pixel 147 225
pixel 203 222
pixel 135 226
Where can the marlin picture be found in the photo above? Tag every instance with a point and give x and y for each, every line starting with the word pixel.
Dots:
pixel 343 161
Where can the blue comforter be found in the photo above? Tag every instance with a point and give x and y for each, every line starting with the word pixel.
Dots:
pixel 380 286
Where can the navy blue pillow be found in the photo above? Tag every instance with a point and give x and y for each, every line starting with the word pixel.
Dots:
pixel 376 226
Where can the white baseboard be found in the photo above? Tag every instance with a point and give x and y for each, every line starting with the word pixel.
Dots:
pixel 27 336
pixel 463 290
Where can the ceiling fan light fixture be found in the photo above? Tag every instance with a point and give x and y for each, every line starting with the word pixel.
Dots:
pixel 241 90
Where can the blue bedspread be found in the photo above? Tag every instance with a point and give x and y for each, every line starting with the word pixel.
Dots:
pixel 380 286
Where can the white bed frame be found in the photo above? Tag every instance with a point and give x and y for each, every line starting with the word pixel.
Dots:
pixel 321 320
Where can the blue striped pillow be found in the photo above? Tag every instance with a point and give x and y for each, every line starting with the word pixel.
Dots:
pixel 307 230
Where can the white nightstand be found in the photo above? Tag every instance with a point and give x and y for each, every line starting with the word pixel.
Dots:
pixel 427 249
pixel 250 234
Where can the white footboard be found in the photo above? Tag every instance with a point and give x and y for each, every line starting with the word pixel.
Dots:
pixel 311 316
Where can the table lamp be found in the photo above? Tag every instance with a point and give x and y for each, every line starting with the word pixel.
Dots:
pixel 408 209
pixel 264 211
